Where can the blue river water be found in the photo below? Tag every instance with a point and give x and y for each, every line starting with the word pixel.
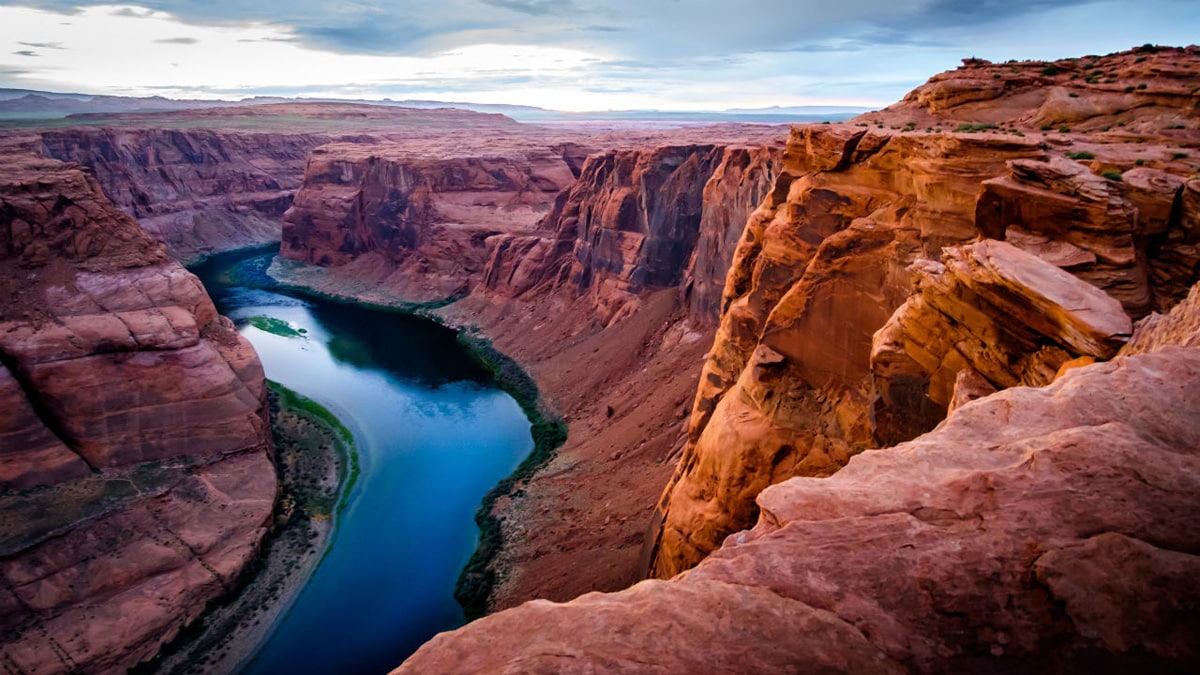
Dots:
pixel 433 436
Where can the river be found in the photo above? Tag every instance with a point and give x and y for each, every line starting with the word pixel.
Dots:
pixel 433 436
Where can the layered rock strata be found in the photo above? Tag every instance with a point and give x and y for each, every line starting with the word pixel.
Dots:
pixel 1036 529
pixel 1020 534
pixel 612 335
pixel 798 379
pixel 197 190
pixel 988 311
pixel 134 425
pixel 420 220
pixel 633 223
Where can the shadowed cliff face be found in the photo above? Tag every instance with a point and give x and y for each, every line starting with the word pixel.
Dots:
pixel 139 415
pixel 199 191
pixel 636 221
pixel 422 216
pixel 736 188
pixel 844 324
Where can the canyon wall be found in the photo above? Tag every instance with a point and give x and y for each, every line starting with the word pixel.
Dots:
pixel 636 221
pixel 609 300
pixel 197 190
pixel 135 466
pixel 612 340
pixel 854 309
pixel 1036 530
pixel 418 220
pixel 964 270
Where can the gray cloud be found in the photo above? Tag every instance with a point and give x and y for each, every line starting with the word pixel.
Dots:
pixel 178 41
pixel 634 28
pixel 534 7
pixel 43 45
pixel 875 49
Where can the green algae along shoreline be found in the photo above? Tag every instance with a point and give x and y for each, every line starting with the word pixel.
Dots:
pixel 477 580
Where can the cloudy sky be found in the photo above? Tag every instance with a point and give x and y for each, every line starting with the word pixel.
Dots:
pixel 563 54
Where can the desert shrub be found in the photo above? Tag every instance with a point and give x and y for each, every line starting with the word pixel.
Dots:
pixel 974 128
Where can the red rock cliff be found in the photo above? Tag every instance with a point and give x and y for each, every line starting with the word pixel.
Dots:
pixel 908 263
pixel 824 348
pixel 422 217
pixel 197 190
pixel 1033 531
pixel 606 299
pixel 613 340
pixel 138 414
pixel 629 224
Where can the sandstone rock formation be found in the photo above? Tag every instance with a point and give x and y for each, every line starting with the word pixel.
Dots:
pixel 737 187
pixel 791 388
pixel 1049 529
pixel 197 190
pixel 624 388
pixel 134 424
pixel 206 180
pixel 629 224
pixel 425 218
pixel 988 309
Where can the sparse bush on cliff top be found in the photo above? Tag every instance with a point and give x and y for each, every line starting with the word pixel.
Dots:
pixel 1083 154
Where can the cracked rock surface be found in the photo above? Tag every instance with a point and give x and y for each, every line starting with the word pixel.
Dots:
pixel 135 474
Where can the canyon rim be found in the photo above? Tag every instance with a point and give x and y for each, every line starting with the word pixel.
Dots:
pixel 908 390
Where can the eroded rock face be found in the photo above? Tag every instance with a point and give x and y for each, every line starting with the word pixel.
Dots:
pixel 1059 210
pixel 1181 326
pixel 139 414
pixel 821 266
pixel 991 309
pixel 790 387
pixel 199 191
pixel 1036 529
pixel 737 187
pixel 103 596
pixel 424 217
pixel 636 221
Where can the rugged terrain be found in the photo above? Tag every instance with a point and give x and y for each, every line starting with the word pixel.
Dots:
pixel 1036 530
pixel 135 460
pixel 848 324
pixel 984 249
pixel 215 179
pixel 609 299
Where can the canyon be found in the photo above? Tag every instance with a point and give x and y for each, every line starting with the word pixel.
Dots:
pixel 171 469
pixel 899 458
pixel 136 451
pixel 917 384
